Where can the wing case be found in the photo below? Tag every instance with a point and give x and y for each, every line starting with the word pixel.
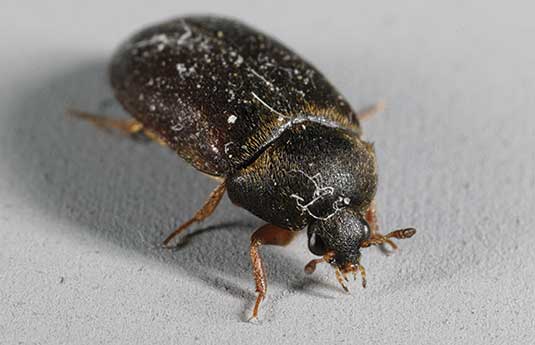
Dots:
pixel 218 92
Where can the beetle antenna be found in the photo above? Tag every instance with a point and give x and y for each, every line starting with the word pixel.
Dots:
pixel 382 239
pixel 311 266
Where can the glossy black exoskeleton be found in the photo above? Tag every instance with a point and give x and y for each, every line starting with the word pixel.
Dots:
pixel 240 106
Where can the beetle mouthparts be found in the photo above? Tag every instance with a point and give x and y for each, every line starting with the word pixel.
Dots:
pixel 341 272
pixel 353 268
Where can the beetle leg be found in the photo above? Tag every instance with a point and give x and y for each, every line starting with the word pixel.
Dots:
pixel 206 210
pixel 125 126
pixel 366 113
pixel 268 234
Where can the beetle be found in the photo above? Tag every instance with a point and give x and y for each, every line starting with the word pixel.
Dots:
pixel 284 143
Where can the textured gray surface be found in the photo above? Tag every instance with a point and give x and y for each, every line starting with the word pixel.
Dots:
pixel 82 212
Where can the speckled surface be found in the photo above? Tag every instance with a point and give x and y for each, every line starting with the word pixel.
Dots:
pixel 82 212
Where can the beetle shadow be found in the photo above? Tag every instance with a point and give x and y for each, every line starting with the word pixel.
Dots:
pixel 127 192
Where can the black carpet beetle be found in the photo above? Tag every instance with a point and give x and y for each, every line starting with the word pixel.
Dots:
pixel 241 107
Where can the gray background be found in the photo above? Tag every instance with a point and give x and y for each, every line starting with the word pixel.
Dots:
pixel 82 212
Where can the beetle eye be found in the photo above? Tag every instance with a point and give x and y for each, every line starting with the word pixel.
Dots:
pixel 316 244
pixel 366 230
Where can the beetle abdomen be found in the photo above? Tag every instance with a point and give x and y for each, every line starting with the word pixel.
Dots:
pixel 218 91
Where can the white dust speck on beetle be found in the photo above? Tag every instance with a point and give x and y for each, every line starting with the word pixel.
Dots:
pixel 232 95
pixel 238 61
pixel 159 39
pixel 232 118
pixel 178 127
pixel 227 147
pixel 181 68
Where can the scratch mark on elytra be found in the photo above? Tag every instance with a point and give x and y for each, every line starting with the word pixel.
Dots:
pixel 268 106
pixel 268 83
pixel 186 35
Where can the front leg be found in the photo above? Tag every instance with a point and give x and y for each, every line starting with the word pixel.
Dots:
pixel 268 234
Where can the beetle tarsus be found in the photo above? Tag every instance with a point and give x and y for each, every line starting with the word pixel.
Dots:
pixel 206 210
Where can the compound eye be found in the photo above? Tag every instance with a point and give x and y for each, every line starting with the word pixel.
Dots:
pixel 365 230
pixel 316 244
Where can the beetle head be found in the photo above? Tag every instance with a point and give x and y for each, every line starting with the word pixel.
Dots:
pixel 338 240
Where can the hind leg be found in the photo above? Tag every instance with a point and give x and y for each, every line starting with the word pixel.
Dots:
pixel 125 126
pixel 366 113
pixel 204 212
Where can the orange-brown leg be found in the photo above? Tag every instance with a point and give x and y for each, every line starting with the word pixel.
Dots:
pixel 266 235
pixel 125 126
pixel 206 210
pixel 368 112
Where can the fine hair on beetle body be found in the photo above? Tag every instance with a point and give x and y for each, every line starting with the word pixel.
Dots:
pixel 284 143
